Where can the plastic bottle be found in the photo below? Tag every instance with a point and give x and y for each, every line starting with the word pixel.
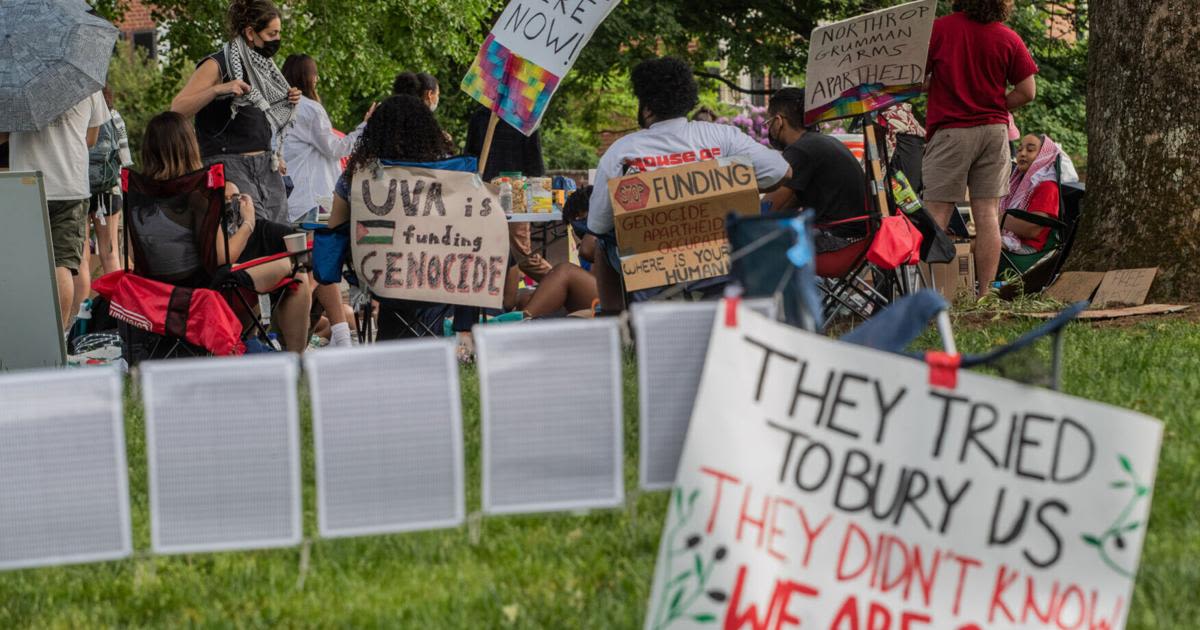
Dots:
pixel 506 198
pixel 275 342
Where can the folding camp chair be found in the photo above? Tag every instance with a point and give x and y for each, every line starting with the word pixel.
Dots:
pixel 1039 269
pixel 894 329
pixel 197 204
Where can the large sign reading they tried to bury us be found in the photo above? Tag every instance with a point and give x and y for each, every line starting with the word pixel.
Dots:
pixel 869 62
pixel 429 235
pixel 827 486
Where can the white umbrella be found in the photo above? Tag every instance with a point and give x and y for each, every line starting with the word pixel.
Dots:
pixel 53 54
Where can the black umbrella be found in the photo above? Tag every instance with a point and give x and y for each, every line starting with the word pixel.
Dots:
pixel 53 54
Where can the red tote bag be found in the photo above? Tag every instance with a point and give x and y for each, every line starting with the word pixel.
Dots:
pixel 897 243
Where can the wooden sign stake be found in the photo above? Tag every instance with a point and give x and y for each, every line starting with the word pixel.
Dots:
pixel 487 143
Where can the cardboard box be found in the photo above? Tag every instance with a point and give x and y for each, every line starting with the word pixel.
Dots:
pixel 956 277
pixel 670 223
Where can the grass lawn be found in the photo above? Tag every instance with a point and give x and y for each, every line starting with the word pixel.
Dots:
pixel 582 571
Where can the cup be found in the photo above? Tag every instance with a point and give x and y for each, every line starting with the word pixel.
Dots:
pixel 296 243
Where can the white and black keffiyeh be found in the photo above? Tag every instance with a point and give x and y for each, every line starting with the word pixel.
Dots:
pixel 268 88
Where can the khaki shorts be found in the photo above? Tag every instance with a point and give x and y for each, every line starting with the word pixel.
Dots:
pixel 978 158
pixel 68 229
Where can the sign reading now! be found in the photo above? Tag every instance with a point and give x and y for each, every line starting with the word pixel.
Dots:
pixel 829 486
pixel 430 236
pixel 670 223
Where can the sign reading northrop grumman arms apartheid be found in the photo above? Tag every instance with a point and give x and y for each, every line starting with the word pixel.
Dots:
pixel 828 486
pixel 429 235
pixel 868 62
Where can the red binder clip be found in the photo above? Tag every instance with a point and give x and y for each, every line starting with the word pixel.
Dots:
pixel 125 180
pixel 943 369
pixel 731 307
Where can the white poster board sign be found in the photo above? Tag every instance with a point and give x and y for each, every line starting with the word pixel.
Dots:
pixel 429 235
pixel 825 485
pixel 868 62
pixel 28 288
pixel 550 34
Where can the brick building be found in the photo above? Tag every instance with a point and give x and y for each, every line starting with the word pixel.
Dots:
pixel 138 26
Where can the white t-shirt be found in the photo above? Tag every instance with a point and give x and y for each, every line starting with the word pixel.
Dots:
pixel 60 150
pixel 313 156
pixel 672 143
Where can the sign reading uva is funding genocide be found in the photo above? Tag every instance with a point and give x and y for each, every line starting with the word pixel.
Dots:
pixel 429 235
pixel 828 486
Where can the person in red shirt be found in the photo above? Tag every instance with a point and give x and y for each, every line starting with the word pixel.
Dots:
pixel 973 59
pixel 1034 188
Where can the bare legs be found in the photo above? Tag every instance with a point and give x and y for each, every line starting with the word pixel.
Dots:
pixel 292 313
pixel 566 287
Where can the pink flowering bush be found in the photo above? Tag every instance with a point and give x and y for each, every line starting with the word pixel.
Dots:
pixel 753 122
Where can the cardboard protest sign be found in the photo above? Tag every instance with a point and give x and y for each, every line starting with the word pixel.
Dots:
pixel 868 62
pixel 825 485
pixel 430 236
pixel 670 223
pixel 530 49
pixel 1125 287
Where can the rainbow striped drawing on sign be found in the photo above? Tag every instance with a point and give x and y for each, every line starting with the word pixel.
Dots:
pixel 868 63
pixel 530 49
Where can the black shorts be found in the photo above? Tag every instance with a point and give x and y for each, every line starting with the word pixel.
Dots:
pixel 265 240
pixel 104 204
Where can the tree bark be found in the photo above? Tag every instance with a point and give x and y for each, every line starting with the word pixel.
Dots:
pixel 1143 200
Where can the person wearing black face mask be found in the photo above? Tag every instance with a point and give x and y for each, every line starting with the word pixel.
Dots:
pixel 241 101
pixel 825 174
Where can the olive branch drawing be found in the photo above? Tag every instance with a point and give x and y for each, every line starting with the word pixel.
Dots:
pixel 681 591
pixel 1122 525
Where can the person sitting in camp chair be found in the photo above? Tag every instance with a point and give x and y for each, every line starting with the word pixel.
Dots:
pixel 1041 167
pixel 166 235
pixel 568 289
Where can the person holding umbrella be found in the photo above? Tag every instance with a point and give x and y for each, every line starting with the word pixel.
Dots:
pixel 241 101
pixel 49 126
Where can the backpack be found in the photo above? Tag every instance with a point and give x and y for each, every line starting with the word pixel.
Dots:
pixel 104 160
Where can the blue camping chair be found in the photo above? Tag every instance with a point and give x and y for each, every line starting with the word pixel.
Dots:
pixel 895 328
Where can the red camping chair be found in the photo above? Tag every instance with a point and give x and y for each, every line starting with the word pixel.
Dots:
pixel 197 201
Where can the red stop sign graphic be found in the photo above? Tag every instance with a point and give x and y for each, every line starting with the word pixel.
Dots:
pixel 632 194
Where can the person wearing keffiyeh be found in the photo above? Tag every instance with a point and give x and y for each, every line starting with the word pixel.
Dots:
pixel 1041 167
pixel 244 107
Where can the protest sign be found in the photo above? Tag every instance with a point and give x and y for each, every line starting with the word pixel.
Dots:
pixel 530 49
pixel 429 235
pixel 868 62
pixel 670 223
pixel 825 485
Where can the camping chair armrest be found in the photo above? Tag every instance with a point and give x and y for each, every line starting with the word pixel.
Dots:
pixel 1036 219
pixel 250 264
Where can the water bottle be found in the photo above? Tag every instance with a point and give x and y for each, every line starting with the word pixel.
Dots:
pixel 506 198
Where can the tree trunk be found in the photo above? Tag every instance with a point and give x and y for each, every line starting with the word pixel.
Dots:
pixel 1143 199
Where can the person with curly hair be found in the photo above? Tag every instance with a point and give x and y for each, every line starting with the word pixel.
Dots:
pixel 666 91
pixel 241 103
pixel 973 59
pixel 401 130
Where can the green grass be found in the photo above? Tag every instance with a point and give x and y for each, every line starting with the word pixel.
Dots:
pixel 579 571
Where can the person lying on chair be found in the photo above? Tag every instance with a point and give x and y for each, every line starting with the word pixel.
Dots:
pixel 167 236
pixel 1034 189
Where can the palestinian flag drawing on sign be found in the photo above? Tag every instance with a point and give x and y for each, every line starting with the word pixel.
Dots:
pixel 374 232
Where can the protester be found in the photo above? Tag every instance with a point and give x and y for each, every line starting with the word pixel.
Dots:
pixel 242 103
pixel 905 142
pixel 311 149
pixel 568 288
pixel 105 160
pixel 313 155
pixel 666 93
pixel 402 130
pixel 512 152
pixel 166 231
pixel 825 174
pixel 973 57
pixel 60 152
pixel 419 84
pixel 1041 166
